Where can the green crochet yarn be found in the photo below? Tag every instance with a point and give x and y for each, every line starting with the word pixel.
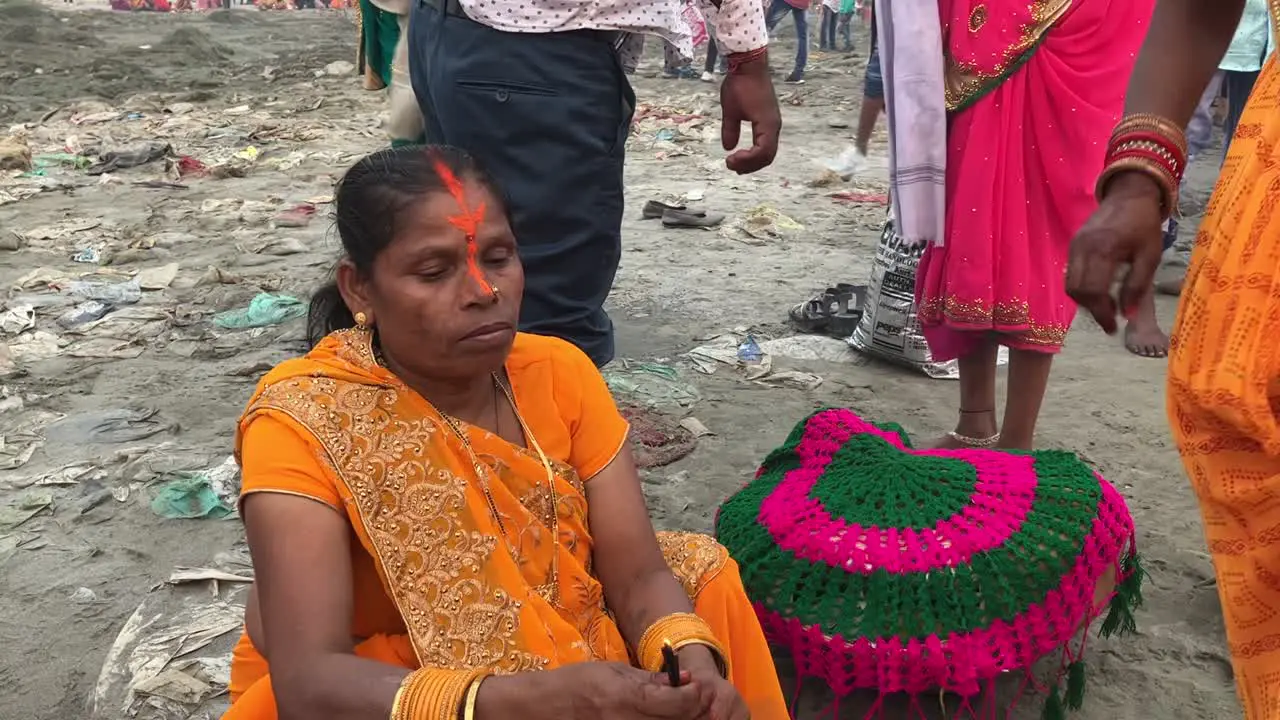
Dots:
pixel 918 494
pixel 914 605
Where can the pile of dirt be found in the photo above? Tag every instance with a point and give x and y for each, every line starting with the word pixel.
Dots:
pixel 195 45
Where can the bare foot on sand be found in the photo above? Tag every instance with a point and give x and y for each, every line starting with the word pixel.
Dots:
pixel 1142 334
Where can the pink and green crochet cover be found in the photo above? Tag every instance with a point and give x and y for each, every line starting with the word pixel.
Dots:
pixel 900 570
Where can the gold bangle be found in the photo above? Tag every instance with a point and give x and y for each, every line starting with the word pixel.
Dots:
pixel 1159 174
pixel 722 662
pixel 434 694
pixel 473 692
pixel 678 630
pixel 1155 123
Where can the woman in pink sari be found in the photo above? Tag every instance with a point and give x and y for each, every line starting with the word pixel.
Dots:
pixel 1033 89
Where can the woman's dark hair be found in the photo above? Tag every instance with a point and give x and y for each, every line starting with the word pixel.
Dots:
pixel 370 199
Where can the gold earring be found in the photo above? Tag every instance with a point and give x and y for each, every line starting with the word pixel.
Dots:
pixel 362 321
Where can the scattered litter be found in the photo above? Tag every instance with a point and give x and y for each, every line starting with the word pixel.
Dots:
pixel 756 362
pixel 889 328
pixel 172 654
pixel 339 68
pixel 88 255
pixel 133 157
pixel 650 384
pixel 24 508
pixel 189 575
pixel 249 154
pixel 124 293
pixel 695 427
pixel 187 166
pixel 656 439
pixel 14 154
pixel 810 347
pixel 857 196
pixel 791 378
pixel 107 348
pixel 157 278
pixel 264 310
pixel 284 246
pixel 110 426
pixel 760 225
pixel 16 449
pixel 17 319
pixel 84 596
pixel 189 497
pixel 41 277
pixel 297 216
pixel 34 346
pixel 67 160
pixel 217 276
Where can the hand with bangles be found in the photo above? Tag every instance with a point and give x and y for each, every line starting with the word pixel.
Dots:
pixel 699 664
pixel 594 690
pixel 1125 230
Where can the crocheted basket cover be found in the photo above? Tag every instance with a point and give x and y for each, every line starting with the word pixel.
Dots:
pixel 880 566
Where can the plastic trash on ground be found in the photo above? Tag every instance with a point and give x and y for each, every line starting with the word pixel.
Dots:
pixel 263 311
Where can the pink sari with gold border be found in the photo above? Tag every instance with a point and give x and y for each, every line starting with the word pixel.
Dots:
pixel 1033 91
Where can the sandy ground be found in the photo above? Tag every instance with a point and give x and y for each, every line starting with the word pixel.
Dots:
pixel 97 417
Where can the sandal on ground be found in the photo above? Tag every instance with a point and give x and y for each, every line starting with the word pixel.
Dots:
pixel 654 209
pixel 673 218
pixel 835 312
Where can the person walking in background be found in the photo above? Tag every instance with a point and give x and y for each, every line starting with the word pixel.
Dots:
pixel 829 16
pixel 1224 367
pixel 383 59
pixel 676 66
pixel 715 64
pixel 844 24
pixel 1250 47
pixel 799 12
pixel 538 94
pixel 1022 151
pixel 853 160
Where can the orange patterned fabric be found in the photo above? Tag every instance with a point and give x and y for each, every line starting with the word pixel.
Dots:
pixel 437 583
pixel 1224 393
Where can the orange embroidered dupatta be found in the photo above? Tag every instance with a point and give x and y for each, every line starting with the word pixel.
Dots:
pixel 469 598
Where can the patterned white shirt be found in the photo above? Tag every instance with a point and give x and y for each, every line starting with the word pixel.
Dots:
pixel 738 24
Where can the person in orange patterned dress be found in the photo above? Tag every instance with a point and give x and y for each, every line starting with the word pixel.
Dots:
pixel 444 515
pixel 1224 363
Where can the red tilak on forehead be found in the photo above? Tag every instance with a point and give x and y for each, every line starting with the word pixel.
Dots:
pixel 468 222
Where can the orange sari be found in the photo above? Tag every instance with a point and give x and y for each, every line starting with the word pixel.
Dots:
pixel 436 583
pixel 1224 392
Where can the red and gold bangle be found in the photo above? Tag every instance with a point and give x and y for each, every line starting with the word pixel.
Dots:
pixel 679 630
pixel 1153 146
pixel 434 694
pixel 737 60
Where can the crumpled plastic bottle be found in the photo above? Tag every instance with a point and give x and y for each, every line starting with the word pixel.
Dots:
pixel 749 352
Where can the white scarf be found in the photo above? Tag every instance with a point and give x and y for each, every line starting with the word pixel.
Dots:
pixel 911 62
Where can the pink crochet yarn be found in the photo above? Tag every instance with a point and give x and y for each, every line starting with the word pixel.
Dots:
pixel 899 570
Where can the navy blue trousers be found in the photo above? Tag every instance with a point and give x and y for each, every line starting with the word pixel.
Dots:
pixel 548 116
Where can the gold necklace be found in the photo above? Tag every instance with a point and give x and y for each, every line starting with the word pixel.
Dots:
pixel 550 591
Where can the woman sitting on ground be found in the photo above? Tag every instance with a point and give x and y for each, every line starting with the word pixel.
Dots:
pixel 444 514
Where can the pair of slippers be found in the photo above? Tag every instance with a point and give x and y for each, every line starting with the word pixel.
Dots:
pixel 835 312
pixel 680 216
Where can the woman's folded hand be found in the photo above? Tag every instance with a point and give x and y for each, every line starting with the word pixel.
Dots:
pixel 591 691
